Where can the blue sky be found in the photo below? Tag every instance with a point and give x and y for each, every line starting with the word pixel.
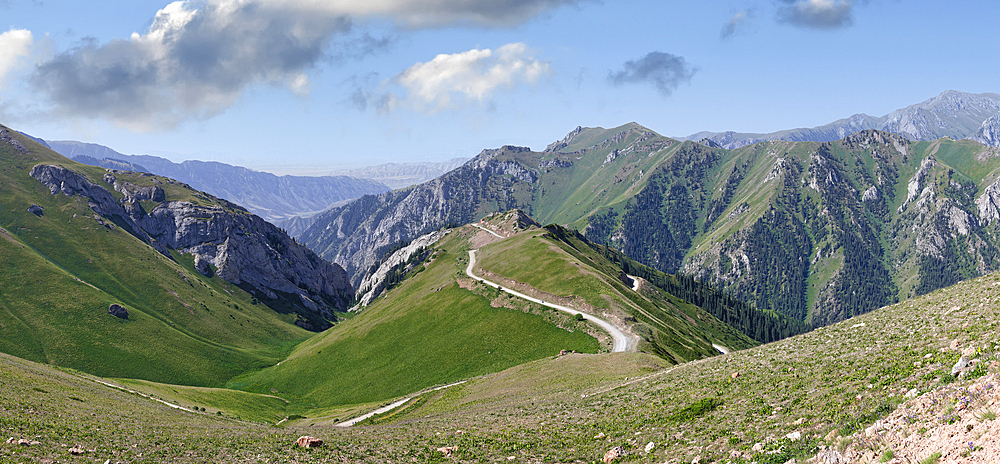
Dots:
pixel 309 86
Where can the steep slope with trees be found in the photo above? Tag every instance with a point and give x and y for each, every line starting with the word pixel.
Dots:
pixel 815 231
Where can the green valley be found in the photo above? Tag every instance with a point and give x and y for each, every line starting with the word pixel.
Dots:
pixel 823 389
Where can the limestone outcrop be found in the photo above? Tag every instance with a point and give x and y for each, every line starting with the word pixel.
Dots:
pixel 224 239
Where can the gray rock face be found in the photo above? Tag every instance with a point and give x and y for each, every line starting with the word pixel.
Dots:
pixel 357 234
pixel 374 283
pixel 245 249
pixel 989 203
pixel 566 141
pixel 989 132
pixel 6 137
pixel 36 210
pixel 960 366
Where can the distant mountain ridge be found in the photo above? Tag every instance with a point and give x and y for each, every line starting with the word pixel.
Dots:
pixel 275 198
pixel 816 231
pixel 953 114
pixel 402 175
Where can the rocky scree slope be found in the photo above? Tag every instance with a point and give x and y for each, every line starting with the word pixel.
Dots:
pixel 950 114
pixel 816 231
pixel 223 238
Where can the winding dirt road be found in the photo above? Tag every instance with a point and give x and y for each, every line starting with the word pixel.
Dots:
pixel 385 409
pixel 621 340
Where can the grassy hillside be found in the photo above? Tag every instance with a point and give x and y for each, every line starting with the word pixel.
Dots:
pixel 828 385
pixel 564 268
pixel 63 268
pixel 436 327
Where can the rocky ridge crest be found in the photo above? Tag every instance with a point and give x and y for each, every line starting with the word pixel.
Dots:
pixel 241 247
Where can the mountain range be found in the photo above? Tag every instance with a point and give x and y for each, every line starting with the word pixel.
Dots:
pixel 953 114
pixel 277 199
pixel 482 335
pixel 816 231
pixel 401 175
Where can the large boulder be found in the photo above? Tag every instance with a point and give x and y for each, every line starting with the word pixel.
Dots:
pixel 118 311
pixel 306 441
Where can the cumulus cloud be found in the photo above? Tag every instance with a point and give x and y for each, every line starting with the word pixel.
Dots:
pixel 817 14
pixel 15 47
pixel 449 81
pixel 736 23
pixel 199 57
pixel 191 63
pixel 663 70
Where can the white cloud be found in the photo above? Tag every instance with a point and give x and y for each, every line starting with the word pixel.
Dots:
pixel 195 61
pixel 448 81
pixel 199 57
pixel 15 46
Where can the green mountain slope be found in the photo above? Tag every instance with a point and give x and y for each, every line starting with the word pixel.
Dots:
pixel 828 386
pixel 436 327
pixel 815 231
pixel 563 267
pixel 62 268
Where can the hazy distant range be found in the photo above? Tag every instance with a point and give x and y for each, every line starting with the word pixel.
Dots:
pixel 286 201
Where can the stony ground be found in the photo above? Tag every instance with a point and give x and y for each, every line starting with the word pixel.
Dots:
pixel 957 423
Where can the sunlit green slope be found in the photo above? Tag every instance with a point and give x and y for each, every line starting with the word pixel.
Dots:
pixel 62 269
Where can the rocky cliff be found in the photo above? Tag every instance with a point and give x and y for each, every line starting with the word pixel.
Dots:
pixel 989 132
pixel 356 235
pixel 224 239
pixel 396 264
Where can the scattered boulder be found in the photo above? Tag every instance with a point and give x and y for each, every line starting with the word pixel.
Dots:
pixel 613 454
pixel 306 441
pixel 36 210
pixel 118 311
pixel 735 375
pixel 649 447
pixel 447 450
pixel 76 451
pixel 794 436
pixel 22 442
pixel 831 456
pixel 961 366
pixel 599 436
pixel 874 429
